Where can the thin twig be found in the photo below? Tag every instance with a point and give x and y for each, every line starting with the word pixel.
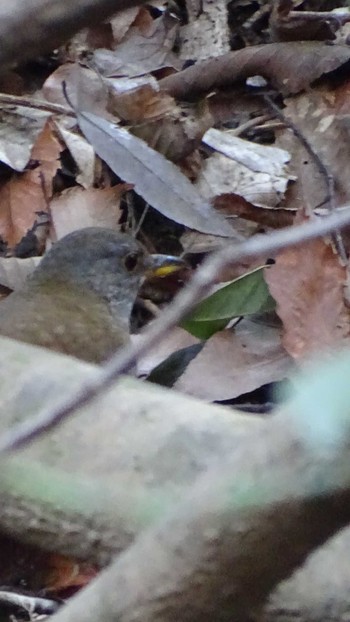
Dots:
pixel 328 177
pixel 142 220
pixel 248 125
pixel 37 104
pixel 199 285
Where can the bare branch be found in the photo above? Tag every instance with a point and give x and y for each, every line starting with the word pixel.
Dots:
pixel 235 536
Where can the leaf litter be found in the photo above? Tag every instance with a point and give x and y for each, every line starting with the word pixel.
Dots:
pixel 48 166
pixel 133 114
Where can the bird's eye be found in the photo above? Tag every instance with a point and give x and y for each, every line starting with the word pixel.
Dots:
pixel 131 261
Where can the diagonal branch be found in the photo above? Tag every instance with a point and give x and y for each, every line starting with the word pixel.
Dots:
pixel 238 533
pixel 203 279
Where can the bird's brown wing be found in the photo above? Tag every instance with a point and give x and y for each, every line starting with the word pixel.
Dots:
pixel 75 323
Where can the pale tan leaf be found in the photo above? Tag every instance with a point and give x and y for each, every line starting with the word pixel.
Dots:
pixel 19 129
pixel 221 175
pixel 143 49
pixel 14 271
pixel 138 100
pixel 234 362
pixel 82 153
pixel 258 158
pixel 76 208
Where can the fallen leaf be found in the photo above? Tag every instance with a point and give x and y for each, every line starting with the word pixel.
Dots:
pixel 156 179
pixel 22 197
pixel 15 271
pixel 76 208
pixel 290 67
pixel 234 362
pixel 176 339
pixel 19 129
pixel 308 283
pixel 141 52
pixel 222 175
pixel 319 115
pixel 246 295
pixel 234 204
pixel 82 153
pixel 122 21
pixel 138 100
pixel 258 158
pixel 82 85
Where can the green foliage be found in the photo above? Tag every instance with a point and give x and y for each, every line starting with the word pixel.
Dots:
pixel 168 371
pixel 244 296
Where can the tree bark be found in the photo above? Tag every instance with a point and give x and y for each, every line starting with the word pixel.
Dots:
pixel 262 503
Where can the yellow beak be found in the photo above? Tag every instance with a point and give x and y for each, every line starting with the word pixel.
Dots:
pixel 163 265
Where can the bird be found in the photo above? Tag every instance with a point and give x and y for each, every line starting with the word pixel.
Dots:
pixel 79 299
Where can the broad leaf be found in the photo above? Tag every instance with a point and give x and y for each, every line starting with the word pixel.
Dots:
pixel 246 295
pixel 155 178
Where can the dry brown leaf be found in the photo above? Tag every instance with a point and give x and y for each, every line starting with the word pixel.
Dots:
pixel 236 362
pixel 76 208
pixel 308 285
pixel 291 67
pixel 235 205
pixel 144 21
pixel 23 196
pixel 178 136
pixel 138 100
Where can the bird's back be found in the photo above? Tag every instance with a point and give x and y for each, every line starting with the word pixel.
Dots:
pixel 63 319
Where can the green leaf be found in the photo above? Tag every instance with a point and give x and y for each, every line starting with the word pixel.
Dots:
pixel 244 296
pixel 170 370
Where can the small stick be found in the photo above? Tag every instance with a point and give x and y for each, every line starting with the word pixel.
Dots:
pixel 238 131
pixel 37 104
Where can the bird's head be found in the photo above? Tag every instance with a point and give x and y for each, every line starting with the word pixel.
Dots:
pixel 109 263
